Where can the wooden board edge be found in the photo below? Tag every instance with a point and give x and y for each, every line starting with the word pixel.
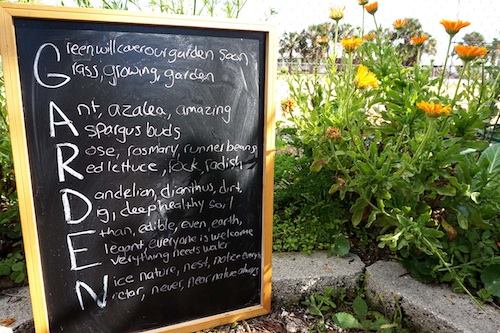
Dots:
pixel 22 167
pixel 212 321
pixel 121 16
pixel 8 51
pixel 269 151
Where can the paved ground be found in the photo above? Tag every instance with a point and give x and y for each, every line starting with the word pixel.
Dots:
pixel 426 308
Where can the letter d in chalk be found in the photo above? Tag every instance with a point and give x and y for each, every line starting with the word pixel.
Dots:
pixel 65 192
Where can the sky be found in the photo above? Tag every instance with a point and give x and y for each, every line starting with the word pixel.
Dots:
pixel 294 15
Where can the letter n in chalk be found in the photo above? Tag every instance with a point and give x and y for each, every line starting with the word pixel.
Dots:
pixel 100 302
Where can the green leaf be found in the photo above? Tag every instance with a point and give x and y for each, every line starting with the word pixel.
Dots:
pixel 4 269
pixel 447 190
pixel 317 165
pixel 334 188
pixel 18 267
pixel 462 221
pixel 340 246
pixel 491 158
pixel 357 211
pixel 346 320
pixel 491 279
pixel 18 277
pixel 360 307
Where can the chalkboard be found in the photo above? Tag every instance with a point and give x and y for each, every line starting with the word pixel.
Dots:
pixel 147 161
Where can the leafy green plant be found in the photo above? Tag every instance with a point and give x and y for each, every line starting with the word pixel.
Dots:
pixel 13 266
pixel 410 158
pixel 332 306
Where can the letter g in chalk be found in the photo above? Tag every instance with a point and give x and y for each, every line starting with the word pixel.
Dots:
pixel 35 68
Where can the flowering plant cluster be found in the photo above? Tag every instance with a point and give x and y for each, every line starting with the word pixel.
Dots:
pixel 408 151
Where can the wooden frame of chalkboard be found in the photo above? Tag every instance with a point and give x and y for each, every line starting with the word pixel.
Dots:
pixel 9 13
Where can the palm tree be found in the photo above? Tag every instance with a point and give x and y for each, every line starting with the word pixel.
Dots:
pixel 473 38
pixel 289 44
pixel 408 51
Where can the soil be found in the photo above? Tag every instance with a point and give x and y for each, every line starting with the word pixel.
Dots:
pixel 290 320
pixel 369 252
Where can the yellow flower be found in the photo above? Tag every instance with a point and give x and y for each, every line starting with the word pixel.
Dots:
pixel 400 24
pixel 434 109
pixel 287 105
pixel 336 13
pixel 452 27
pixel 365 78
pixel 470 52
pixel 418 40
pixel 362 2
pixel 352 43
pixel 370 36
pixel 372 7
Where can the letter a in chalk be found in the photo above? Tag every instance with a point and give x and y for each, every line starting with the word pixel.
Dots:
pixel 66 121
pixel 100 303
pixel 67 207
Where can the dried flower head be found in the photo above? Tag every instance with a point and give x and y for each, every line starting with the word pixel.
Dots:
pixel 434 110
pixel 351 43
pixel 362 2
pixel 337 13
pixel 287 105
pixel 370 36
pixel 470 52
pixel 365 78
pixel 451 232
pixel 322 40
pixel 418 40
pixel 372 7
pixel 333 133
pixel 452 27
pixel 399 24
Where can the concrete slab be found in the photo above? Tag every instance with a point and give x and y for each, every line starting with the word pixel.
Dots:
pixel 15 311
pixel 296 275
pixel 427 308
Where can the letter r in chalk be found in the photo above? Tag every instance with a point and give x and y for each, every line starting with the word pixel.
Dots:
pixel 66 121
pixel 63 165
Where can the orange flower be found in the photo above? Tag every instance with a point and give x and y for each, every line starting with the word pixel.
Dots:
pixel 434 109
pixel 362 2
pixel 287 105
pixel 470 52
pixel 370 36
pixel 418 40
pixel 352 43
pixel 452 27
pixel 372 7
pixel 399 23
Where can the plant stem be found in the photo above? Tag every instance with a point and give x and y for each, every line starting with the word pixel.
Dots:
pixel 451 270
pixel 458 85
pixel 335 42
pixel 417 63
pixel 375 20
pixel 194 7
pixel 363 22
pixel 444 67
pixel 430 127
